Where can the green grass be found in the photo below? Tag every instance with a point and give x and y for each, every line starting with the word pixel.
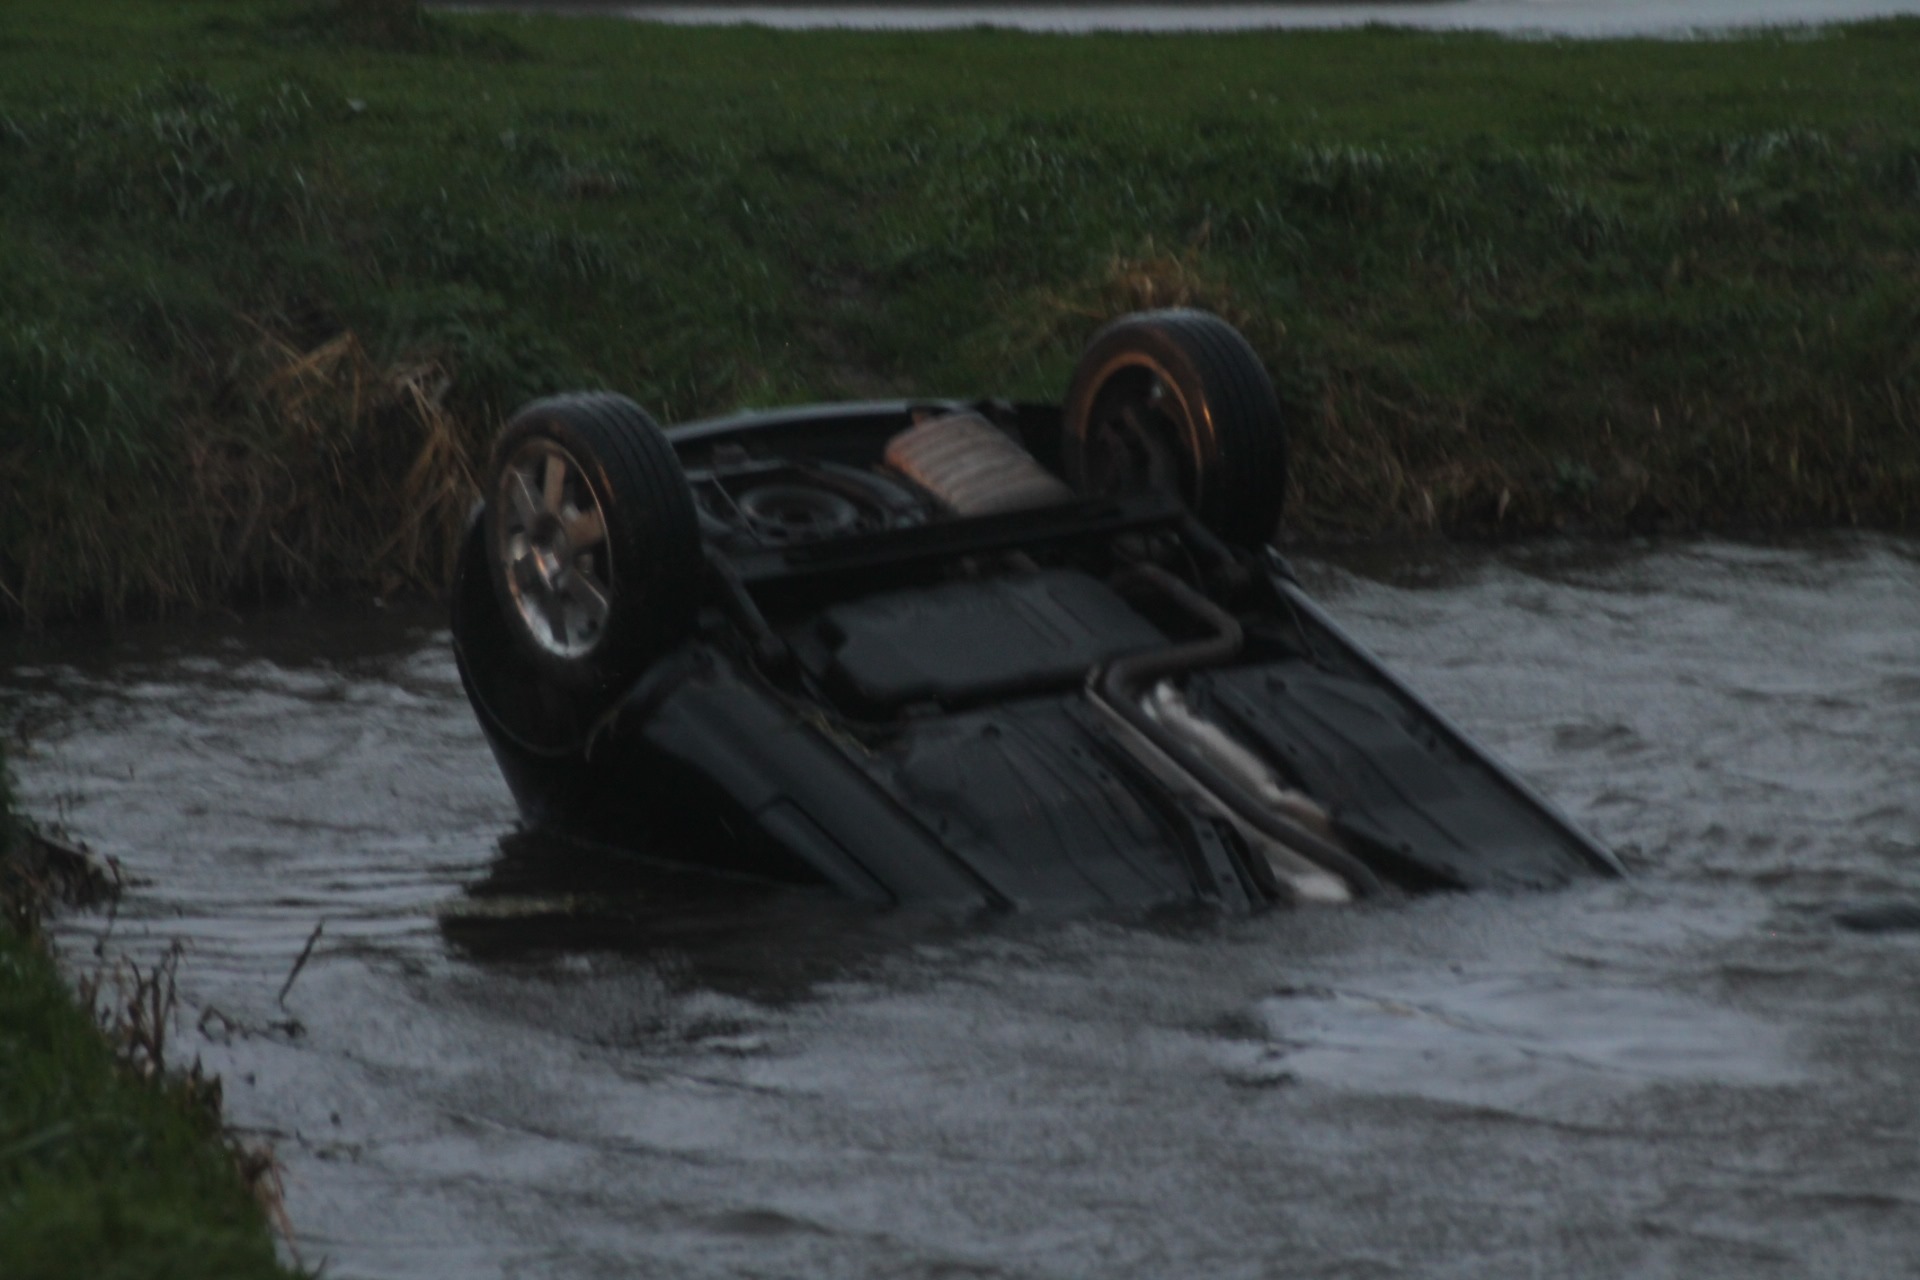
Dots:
pixel 102 1174
pixel 1504 286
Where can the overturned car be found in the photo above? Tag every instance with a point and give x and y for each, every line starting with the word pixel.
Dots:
pixel 966 653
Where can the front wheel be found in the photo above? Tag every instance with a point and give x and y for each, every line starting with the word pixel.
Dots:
pixel 592 539
pixel 1176 401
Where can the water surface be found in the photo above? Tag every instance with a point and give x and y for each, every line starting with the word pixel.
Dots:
pixel 502 1060
pixel 1584 19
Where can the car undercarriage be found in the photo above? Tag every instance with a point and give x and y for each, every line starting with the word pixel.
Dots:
pixel 967 653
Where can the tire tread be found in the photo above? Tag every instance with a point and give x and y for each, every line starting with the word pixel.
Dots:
pixel 1240 478
pixel 652 529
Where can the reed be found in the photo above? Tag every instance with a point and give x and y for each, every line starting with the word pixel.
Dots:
pixel 103 1172
pixel 113 1160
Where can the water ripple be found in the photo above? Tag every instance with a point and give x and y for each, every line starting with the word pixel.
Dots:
pixel 506 1059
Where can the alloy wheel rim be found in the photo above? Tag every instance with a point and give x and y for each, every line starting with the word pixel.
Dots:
pixel 553 549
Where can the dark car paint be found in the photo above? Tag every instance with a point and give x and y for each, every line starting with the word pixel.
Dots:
pixel 893 738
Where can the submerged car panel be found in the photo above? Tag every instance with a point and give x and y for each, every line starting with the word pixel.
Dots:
pixel 922 669
pixel 968 641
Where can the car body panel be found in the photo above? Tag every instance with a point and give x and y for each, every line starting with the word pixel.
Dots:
pixel 913 714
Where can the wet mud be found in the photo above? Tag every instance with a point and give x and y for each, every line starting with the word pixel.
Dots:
pixel 504 1058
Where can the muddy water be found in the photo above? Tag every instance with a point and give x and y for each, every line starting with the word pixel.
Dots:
pixel 504 1061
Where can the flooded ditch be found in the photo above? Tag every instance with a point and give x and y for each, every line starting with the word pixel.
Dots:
pixel 503 1059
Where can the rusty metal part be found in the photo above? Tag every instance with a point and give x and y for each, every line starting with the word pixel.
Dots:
pixel 973 467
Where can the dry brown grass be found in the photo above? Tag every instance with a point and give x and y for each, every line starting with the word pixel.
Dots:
pixel 1356 470
pixel 1373 463
pixel 392 473
pixel 137 1009
pixel 341 473
pixel 1152 277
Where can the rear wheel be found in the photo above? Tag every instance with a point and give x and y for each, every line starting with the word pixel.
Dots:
pixel 1176 401
pixel 592 540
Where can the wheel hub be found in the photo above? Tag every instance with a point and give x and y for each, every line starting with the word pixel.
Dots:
pixel 1133 444
pixel 549 552
pixel 551 532
pixel 785 512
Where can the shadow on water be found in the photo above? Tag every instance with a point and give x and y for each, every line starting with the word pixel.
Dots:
pixel 544 896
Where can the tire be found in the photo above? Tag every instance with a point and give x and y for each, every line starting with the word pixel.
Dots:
pixel 536 715
pixel 593 545
pixel 1177 401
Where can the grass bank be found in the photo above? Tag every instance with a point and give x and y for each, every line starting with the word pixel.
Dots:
pixel 268 276
pixel 109 1167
